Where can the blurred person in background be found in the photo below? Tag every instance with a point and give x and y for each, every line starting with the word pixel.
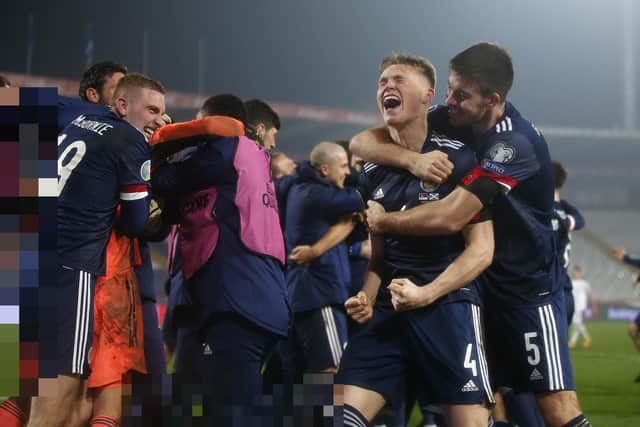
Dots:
pixel 263 123
pixel 582 300
pixel 634 327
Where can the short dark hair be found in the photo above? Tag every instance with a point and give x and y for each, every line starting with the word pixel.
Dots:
pixel 224 104
pixel 559 174
pixel 423 64
pixel 4 82
pixel 486 64
pixel 97 74
pixel 260 112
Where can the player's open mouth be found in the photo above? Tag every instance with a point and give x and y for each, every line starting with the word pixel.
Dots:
pixel 390 101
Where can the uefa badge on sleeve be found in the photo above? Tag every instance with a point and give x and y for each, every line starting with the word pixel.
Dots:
pixel 145 171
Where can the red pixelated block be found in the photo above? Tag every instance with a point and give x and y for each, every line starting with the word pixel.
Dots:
pixel 28 351
pixel 28 369
pixel 28 223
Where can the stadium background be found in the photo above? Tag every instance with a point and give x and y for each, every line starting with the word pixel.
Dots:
pixel 577 63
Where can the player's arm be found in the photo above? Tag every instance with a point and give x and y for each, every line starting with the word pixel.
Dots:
pixel 446 216
pixel 361 249
pixel 476 257
pixel 336 203
pixel 576 220
pixel 360 306
pixel 132 168
pixel 621 254
pixel 134 209
pixel 337 233
pixel 376 145
pixel 207 166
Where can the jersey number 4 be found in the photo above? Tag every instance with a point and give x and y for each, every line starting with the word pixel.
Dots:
pixel 65 168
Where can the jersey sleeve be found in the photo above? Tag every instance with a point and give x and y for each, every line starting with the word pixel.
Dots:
pixel 575 218
pixel 508 160
pixel 337 202
pixel 634 261
pixel 133 167
pixel 210 164
pixel 464 162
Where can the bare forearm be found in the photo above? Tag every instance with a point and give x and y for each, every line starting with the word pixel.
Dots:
pixel 372 277
pixel 475 258
pixel 336 234
pixel 375 145
pixel 446 216
pixel 418 220
pixel 371 285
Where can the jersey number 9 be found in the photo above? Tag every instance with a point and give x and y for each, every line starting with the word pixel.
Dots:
pixel 65 168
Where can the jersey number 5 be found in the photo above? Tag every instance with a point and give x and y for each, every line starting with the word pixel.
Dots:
pixel 534 358
pixel 65 169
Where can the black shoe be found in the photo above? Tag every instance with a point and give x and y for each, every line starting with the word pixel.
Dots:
pixel 637 380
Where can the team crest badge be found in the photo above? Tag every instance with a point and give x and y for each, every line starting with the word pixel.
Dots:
pixel 502 153
pixel 428 186
pixel 145 171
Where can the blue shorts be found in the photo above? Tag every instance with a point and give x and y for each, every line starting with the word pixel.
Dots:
pixel 66 350
pixel 440 347
pixel 527 346
pixel 321 336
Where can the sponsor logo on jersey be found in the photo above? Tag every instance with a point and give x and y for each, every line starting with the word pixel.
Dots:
pixel 536 375
pixel 501 152
pixel 490 166
pixel 145 170
pixel 379 194
pixel 469 386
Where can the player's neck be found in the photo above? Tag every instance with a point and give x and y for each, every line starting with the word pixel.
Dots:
pixel 556 196
pixel 489 120
pixel 410 135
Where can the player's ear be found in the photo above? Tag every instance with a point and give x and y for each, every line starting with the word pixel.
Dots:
pixel 428 96
pixel 92 95
pixel 494 99
pixel 121 106
pixel 324 170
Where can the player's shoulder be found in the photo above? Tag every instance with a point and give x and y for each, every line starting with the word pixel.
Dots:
pixel 369 168
pixel 448 144
pixel 460 154
pixel 513 128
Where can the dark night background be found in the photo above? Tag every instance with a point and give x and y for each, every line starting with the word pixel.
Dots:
pixel 568 57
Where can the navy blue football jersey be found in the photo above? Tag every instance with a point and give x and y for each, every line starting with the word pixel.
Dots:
pixel 566 218
pixel 101 160
pixel 514 154
pixel 70 108
pixel 419 258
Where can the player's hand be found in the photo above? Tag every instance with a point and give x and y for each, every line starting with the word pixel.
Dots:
pixel 619 252
pixel 405 295
pixel 374 213
pixel 166 119
pixel 359 308
pixel 154 223
pixel 433 167
pixel 303 254
pixel 163 120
